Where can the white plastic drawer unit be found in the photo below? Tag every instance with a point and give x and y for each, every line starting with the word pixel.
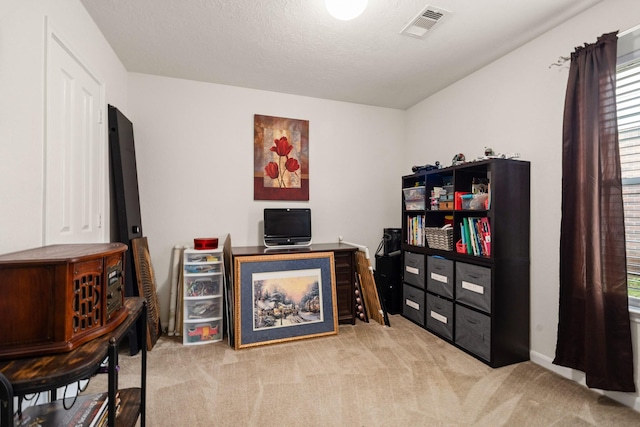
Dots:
pixel 440 316
pixel 413 304
pixel 203 296
pixel 414 269
pixel 473 286
pixel 440 276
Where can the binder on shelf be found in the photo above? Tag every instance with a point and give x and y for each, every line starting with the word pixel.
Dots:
pixel 467 235
pixel 486 230
pixel 474 249
pixel 474 236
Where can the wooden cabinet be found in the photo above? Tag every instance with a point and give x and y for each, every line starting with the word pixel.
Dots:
pixel 57 297
pixel 203 296
pixel 474 296
pixel 27 375
pixel 345 290
pixel 345 267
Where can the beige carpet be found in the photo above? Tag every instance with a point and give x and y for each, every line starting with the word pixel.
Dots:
pixel 368 375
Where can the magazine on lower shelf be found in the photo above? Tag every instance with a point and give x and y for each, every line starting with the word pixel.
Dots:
pixel 87 410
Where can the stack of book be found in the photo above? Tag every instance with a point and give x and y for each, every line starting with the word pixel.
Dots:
pixel 476 235
pixel 415 230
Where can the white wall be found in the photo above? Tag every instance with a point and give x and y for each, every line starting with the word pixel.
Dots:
pixel 516 105
pixel 194 150
pixel 22 71
pixel 194 145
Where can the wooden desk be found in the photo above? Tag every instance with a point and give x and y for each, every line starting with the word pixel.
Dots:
pixel 345 266
pixel 19 377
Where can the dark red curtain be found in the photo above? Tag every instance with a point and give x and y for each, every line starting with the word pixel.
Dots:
pixel 594 333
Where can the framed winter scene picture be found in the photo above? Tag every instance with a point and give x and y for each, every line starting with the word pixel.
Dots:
pixel 284 297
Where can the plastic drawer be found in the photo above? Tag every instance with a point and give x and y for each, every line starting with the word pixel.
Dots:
pixel 473 332
pixel 440 276
pixel 202 268
pixel 203 286
pixel 440 316
pixel 201 256
pixel 473 286
pixel 413 304
pixel 414 269
pixel 203 332
pixel 207 308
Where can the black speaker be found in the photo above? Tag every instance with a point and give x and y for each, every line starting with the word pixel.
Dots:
pixel 392 238
pixel 388 275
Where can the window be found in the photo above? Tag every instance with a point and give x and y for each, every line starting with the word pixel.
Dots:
pixel 628 106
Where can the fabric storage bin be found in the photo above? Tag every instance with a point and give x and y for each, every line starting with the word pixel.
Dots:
pixel 473 332
pixel 440 276
pixel 473 286
pixel 414 269
pixel 440 316
pixel 413 304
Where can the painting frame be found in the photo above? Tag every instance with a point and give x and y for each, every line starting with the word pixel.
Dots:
pixel 281 158
pixel 249 272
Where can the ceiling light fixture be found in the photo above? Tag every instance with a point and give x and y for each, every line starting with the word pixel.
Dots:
pixel 346 9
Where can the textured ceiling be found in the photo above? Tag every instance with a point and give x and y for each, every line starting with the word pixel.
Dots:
pixel 296 47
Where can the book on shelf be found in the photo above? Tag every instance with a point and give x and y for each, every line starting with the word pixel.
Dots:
pixel 476 235
pixel 486 235
pixel 88 410
pixel 415 230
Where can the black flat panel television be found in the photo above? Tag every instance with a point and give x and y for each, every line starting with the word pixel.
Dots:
pixel 287 226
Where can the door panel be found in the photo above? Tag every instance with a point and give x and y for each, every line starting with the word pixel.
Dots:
pixel 74 150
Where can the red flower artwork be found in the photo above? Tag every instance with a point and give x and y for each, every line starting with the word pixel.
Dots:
pixel 280 158
pixel 292 165
pixel 282 147
pixel 276 170
pixel 272 170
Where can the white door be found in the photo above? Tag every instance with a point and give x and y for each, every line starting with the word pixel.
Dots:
pixel 75 154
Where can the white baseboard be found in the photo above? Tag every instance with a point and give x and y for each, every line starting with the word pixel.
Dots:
pixel 627 399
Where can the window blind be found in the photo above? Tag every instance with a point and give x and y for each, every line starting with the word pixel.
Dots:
pixel 628 114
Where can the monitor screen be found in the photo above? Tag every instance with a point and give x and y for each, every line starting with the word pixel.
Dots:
pixel 287 226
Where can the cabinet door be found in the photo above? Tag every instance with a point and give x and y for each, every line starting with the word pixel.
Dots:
pixel 344 286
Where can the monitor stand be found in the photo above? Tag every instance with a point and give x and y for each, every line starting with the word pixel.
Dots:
pixel 302 245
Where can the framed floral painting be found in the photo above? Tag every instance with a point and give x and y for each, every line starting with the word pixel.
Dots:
pixel 281 158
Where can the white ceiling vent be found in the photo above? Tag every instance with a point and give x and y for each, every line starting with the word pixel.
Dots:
pixel 425 20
